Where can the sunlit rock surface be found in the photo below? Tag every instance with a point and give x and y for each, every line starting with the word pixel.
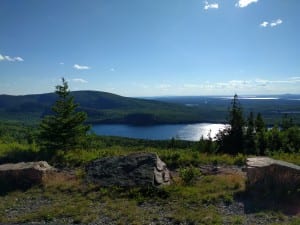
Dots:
pixel 270 174
pixel 24 174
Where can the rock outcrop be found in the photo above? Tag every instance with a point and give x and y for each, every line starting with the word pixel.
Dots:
pixel 138 169
pixel 24 174
pixel 269 174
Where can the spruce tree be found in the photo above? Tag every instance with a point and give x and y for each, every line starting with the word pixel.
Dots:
pixel 261 134
pixel 64 129
pixel 260 125
pixel 231 140
pixel 250 143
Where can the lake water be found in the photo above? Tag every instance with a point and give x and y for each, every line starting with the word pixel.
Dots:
pixel 190 132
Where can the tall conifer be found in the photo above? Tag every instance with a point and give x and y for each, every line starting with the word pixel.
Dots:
pixel 231 140
pixel 64 129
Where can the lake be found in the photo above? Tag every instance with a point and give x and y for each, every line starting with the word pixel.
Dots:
pixel 189 132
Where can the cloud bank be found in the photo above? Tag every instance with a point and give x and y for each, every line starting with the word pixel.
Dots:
pixel 258 86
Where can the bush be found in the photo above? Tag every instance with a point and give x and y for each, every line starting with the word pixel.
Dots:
pixel 189 175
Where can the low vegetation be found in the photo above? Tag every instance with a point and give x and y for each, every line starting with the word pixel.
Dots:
pixel 194 197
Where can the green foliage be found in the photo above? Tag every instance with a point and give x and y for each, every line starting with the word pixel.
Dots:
pixel 253 138
pixel 64 130
pixel 118 109
pixel 250 142
pixel 69 199
pixel 260 125
pixel 286 122
pixel 189 175
pixel 206 145
pixel 231 140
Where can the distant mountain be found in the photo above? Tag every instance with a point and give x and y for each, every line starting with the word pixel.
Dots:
pixel 101 107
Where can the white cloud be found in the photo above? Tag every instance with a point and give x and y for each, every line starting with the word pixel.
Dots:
pixel 19 59
pixel 258 86
pixel 79 80
pixel 61 63
pixel 244 3
pixel 11 59
pixel 264 24
pixel 210 6
pixel 79 67
pixel 192 86
pixel 295 78
pixel 276 23
pixel 163 87
pixel 112 70
pixel 140 85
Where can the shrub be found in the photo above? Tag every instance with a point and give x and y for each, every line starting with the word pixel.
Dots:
pixel 189 175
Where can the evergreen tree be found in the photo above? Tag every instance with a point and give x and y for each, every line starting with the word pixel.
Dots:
pixel 231 140
pixel 259 123
pixel 261 134
pixel 286 122
pixel 250 135
pixel 64 129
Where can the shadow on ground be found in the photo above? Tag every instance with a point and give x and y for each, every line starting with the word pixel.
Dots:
pixel 256 201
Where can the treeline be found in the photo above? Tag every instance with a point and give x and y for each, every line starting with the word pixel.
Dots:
pixel 251 136
pixel 65 130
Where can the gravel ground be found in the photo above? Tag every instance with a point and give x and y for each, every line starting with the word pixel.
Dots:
pixel 237 210
pixel 234 210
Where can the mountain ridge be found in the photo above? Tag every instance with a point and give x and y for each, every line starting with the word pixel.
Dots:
pixel 101 107
pixel 105 107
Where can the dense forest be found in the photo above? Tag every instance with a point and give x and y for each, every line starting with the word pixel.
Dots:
pixel 102 107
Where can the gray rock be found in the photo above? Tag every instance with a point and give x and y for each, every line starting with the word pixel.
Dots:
pixel 24 174
pixel 267 173
pixel 138 169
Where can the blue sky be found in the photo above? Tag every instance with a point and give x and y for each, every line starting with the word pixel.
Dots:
pixel 151 47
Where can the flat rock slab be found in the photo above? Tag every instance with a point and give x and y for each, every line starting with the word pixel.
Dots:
pixel 267 173
pixel 138 169
pixel 24 174
pixel 40 165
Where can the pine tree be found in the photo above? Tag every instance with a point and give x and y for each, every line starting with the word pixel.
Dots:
pixel 250 135
pixel 231 140
pixel 259 124
pixel 286 122
pixel 64 129
pixel 261 134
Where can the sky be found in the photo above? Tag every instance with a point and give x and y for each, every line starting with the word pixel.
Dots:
pixel 151 47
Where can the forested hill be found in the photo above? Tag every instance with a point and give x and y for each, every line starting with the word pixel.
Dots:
pixel 101 107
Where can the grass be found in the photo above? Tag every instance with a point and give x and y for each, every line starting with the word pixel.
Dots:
pixel 289 157
pixel 67 198
pixel 174 158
